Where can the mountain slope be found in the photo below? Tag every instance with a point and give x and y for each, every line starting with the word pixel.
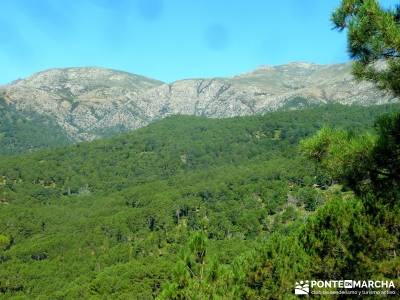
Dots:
pixel 81 100
pixel 107 218
pixel 25 132
pixel 95 102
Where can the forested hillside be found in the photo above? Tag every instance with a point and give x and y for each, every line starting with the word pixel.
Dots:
pixel 25 132
pixel 111 218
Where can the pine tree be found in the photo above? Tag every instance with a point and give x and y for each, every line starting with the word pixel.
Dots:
pixel 373 41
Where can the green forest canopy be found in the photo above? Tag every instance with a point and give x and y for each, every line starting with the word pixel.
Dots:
pixel 192 208
pixel 230 198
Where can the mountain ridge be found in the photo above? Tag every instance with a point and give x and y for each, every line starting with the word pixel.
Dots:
pixel 90 102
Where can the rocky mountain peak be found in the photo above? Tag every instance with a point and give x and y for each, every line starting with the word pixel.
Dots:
pixel 74 82
pixel 89 102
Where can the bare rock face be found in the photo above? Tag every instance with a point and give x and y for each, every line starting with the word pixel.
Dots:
pixel 83 101
pixel 88 102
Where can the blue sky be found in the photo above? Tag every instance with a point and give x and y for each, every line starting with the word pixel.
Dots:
pixel 166 39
